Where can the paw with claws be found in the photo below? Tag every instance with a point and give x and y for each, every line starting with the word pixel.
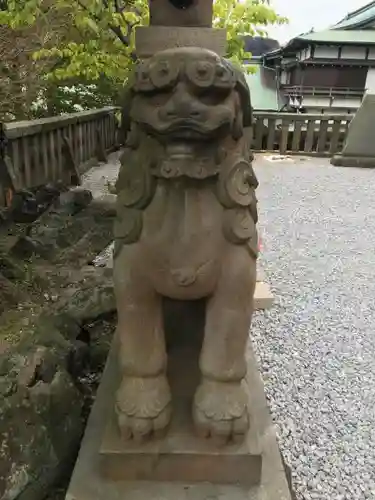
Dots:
pixel 220 411
pixel 143 407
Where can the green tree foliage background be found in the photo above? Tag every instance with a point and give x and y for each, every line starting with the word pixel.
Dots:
pixel 82 51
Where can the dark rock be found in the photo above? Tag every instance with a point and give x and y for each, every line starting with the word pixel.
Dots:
pixel 40 412
pixel 27 450
pixel 96 299
pixel 10 294
pixel 74 225
pixel 34 447
pixel 79 357
pixel 67 326
pixel 59 402
pixel 40 366
pixel 26 247
pixel 74 200
pixel 24 207
pixel 101 334
pixel 48 380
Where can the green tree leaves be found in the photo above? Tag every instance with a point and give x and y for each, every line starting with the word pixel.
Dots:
pixel 93 40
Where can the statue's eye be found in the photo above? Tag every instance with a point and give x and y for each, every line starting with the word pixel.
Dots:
pixel 164 73
pixel 224 77
pixel 142 81
pixel 201 73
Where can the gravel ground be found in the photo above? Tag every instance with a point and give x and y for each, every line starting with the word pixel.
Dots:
pixel 316 346
pixel 97 178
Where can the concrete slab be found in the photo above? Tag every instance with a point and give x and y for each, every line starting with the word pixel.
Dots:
pixel 359 147
pixel 263 297
pixel 341 160
pixel 88 483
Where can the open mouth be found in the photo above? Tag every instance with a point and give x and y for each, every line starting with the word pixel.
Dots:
pixel 188 130
pixel 186 127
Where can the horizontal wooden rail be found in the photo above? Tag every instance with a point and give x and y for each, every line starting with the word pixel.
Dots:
pixel 60 148
pixel 54 149
pixel 306 134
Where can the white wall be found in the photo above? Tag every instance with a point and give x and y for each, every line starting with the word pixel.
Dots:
pixel 353 53
pixel 315 102
pixel 346 103
pixel 370 80
pixel 326 52
pixel 347 52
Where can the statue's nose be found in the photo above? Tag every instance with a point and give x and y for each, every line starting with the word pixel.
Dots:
pixel 182 105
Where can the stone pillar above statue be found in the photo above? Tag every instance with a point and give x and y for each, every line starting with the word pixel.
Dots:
pixel 194 13
pixel 179 23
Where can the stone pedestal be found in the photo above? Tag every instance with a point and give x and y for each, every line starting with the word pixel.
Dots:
pixel 181 456
pixel 191 13
pixel 108 469
pixel 359 147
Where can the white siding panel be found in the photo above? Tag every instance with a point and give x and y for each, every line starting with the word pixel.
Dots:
pixel 326 52
pixel 353 53
pixel 370 80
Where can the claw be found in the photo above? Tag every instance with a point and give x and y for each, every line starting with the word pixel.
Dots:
pixel 213 412
pixel 162 420
pixel 202 423
pixel 141 429
pixel 241 425
pixel 145 413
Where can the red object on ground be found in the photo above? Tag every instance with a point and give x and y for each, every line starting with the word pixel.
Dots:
pixel 260 244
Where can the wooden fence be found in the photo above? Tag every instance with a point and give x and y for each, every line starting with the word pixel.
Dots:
pixel 51 149
pixel 289 133
pixel 60 148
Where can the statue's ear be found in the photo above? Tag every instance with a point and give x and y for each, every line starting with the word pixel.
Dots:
pixel 237 127
pixel 237 130
pixel 125 114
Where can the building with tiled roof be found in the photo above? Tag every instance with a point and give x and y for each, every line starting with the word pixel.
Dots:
pixel 330 70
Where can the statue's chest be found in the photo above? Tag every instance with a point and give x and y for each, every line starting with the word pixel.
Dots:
pixel 183 220
pixel 182 239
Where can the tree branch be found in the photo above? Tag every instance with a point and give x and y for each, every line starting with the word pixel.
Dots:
pixel 116 30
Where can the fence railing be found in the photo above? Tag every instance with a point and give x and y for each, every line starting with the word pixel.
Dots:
pixel 309 134
pixel 323 91
pixel 60 148
pixel 54 149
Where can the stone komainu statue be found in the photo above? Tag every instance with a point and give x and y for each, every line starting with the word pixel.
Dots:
pixel 186 229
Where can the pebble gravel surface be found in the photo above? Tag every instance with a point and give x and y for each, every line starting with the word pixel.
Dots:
pixel 316 346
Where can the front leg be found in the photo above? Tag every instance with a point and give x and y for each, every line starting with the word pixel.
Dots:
pixel 143 400
pixel 220 403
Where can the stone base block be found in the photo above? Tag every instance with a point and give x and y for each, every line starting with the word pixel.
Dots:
pixel 181 456
pixel 263 297
pixel 152 39
pixel 353 161
pixel 104 468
